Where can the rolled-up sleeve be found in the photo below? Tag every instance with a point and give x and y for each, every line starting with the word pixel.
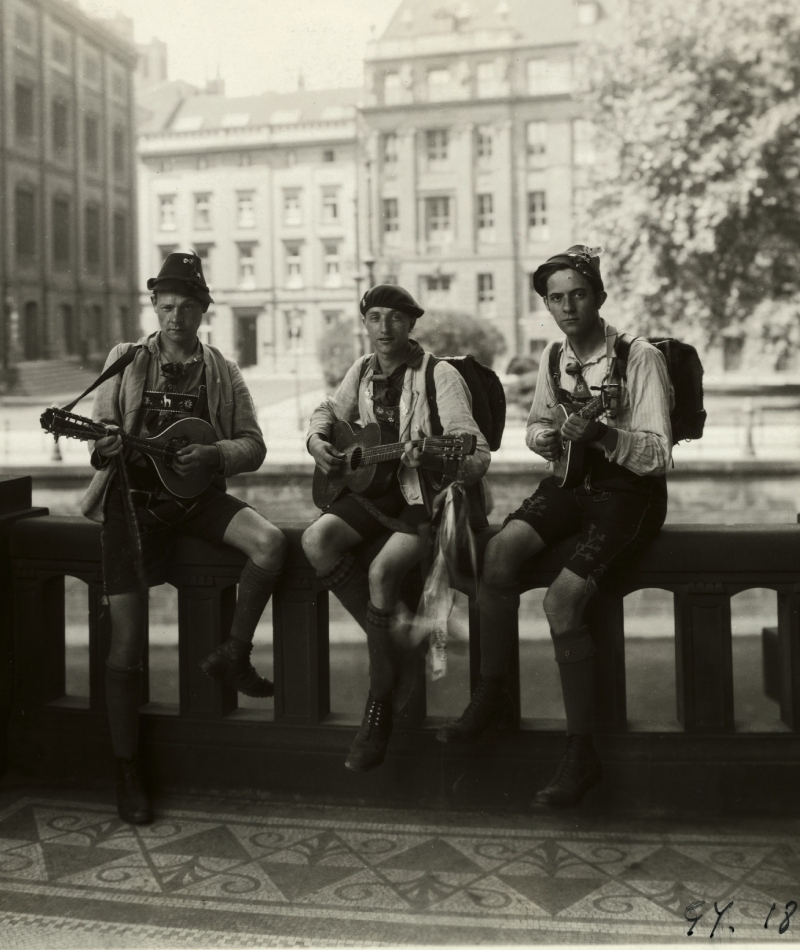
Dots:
pixel 455 412
pixel 342 406
pixel 644 445
pixel 541 415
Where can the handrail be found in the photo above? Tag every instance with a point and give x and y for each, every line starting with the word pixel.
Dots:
pixel 702 565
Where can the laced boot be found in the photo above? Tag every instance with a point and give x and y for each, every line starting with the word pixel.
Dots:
pixel 369 746
pixel 490 707
pixel 133 805
pixel 579 770
pixel 230 664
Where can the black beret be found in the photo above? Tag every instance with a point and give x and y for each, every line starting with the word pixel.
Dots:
pixel 585 260
pixel 390 295
pixel 187 270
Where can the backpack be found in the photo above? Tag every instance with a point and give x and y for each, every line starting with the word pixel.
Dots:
pixel 488 396
pixel 688 416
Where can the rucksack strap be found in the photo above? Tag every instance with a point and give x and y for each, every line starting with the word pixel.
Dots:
pixel 363 371
pixel 623 349
pixel 116 367
pixel 554 365
pixel 430 393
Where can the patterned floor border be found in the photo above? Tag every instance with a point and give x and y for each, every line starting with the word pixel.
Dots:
pixel 205 879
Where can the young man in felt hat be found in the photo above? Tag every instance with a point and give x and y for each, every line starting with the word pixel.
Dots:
pixel 617 508
pixel 387 386
pixel 173 376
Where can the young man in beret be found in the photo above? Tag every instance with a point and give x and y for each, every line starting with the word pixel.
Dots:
pixel 174 376
pixel 617 508
pixel 388 387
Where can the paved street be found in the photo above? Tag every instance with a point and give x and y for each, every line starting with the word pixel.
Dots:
pixel 240 873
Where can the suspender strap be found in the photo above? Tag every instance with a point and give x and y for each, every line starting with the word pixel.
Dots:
pixel 116 367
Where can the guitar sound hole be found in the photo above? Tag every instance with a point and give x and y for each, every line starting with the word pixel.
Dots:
pixel 355 458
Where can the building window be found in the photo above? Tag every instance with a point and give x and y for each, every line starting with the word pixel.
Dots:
pixel 549 76
pixel 292 208
pixel 120 242
pixel 294 265
pixel 486 80
pixel 91 68
pixel 389 148
pixel 485 217
pixel 537 216
pixel 536 139
pixel 330 205
pixel 23 110
pixel 247 266
pixel 438 84
pixel 165 250
pixel 60 51
pixel 294 328
pixel 436 146
pixel 486 303
pixel 328 155
pixel 25 223
pixel 438 224
pixel 118 150
pixel 331 260
pixel 583 142
pixel 204 331
pixel 203 251
pixel 202 211
pixel 245 209
pixel 60 125
pixel 331 317
pixel 391 215
pixel 91 140
pixel 61 232
pixel 167 212
pixel 392 89
pixel 483 143
pixel 588 12
pixel 436 290
pixel 24 31
pixel 92 239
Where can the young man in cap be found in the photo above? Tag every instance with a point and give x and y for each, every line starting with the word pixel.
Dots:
pixel 388 387
pixel 618 507
pixel 173 376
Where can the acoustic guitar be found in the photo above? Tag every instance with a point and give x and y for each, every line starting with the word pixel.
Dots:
pixel 570 466
pixel 370 459
pixel 159 451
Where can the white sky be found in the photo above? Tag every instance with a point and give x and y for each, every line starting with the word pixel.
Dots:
pixel 258 45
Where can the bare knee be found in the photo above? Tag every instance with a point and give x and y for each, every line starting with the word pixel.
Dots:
pixel 321 546
pixel 499 564
pixel 565 601
pixel 384 583
pixel 269 548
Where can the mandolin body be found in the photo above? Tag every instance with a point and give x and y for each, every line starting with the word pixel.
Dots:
pixel 189 431
pixel 569 466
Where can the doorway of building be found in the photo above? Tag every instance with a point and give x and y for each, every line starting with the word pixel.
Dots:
pixel 31 334
pixel 246 340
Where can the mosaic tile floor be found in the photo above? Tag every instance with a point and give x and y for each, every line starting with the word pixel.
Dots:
pixel 73 875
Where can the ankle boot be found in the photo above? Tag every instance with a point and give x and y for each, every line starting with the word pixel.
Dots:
pixel 369 746
pixel 580 770
pixel 133 805
pixel 230 664
pixel 490 707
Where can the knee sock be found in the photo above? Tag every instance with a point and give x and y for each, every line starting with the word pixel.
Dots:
pixel 255 589
pixel 381 651
pixel 499 609
pixel 123 695
pixel 575 657
pixel 350 584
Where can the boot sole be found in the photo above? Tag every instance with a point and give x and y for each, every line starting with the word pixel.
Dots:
pixel 590 782
pixel 363 768
pixel 215 673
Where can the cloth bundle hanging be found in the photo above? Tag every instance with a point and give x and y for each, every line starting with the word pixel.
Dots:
pixel 452 532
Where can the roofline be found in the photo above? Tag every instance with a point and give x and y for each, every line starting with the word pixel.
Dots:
pixel 417 48
pixel 157 144
pixel 468 103
pixel 72 16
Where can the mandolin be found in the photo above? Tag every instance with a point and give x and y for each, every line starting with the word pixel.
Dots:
pixel 159 451
pixel 570 465
pixel 370 459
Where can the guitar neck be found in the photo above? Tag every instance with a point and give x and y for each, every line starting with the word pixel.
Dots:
pixel 386 453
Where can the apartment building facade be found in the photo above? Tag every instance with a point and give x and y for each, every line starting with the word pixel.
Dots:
pixel 68 266
pixel 263 188
pixel 475 153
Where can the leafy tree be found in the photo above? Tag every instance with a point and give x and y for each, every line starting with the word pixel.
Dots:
pixel 696 197
pixel 443 332
pixel 452 333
